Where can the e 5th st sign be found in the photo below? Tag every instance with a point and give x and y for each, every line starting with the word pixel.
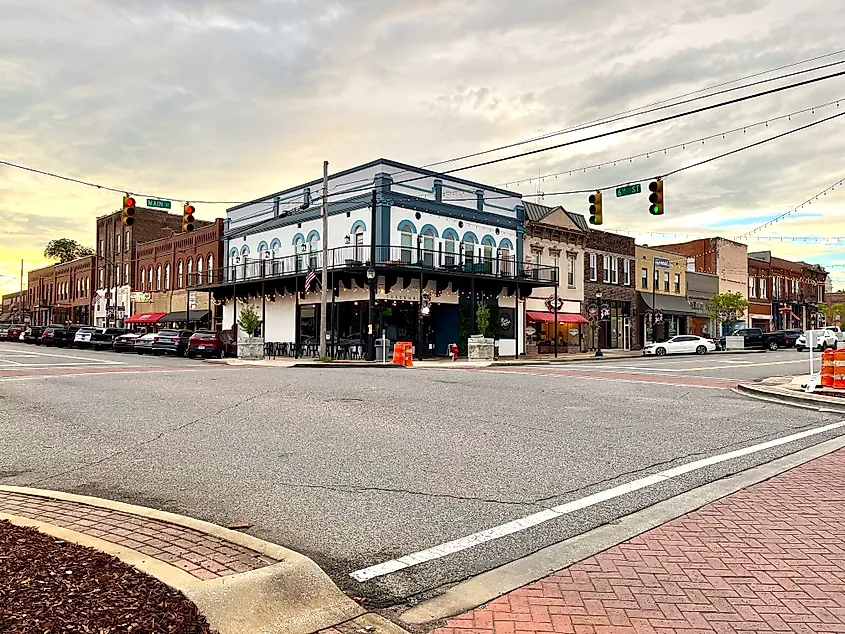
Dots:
pixel 628 190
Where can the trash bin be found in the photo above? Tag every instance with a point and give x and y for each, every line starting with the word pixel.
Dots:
pixel 384 349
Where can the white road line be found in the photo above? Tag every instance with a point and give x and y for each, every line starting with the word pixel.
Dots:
pixel 515 526
pixel 734 361
pixel 70 356
pixel 9 362
pixel 43 366
pixel 4 379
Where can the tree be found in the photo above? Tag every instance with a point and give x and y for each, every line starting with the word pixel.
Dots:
pixel 727 307
pixel 65 250
pixel 482 319
pixel 249 320
pixel 833 313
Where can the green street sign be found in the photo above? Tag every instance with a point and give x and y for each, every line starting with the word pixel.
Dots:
pixel 154 203
pixel 628 190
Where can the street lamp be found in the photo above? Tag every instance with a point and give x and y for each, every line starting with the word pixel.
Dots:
pixel 599 353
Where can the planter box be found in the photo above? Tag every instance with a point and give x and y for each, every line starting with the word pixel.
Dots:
pixel 251 348
pixel 480 348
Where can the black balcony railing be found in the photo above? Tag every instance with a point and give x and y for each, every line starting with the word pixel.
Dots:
pixel 354 258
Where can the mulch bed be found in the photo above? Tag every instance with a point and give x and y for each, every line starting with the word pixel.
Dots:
pixel 48 586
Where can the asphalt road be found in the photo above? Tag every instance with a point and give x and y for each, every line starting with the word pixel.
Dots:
pixel 359 467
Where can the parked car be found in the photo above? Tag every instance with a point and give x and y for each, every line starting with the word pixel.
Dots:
pixel 824 339
pixel 82 337
pixel 144 343
pixel 792 335
pixel 4 330
pixel 682 344
pixel 211 343
pixel 172 342
pixel 33 335
pixel 756 338
pixel 126 342
pixel 104 338
pixel 840 336
pixel 15 331
pixel 54 335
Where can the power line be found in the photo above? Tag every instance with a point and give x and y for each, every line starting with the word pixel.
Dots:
pixel 675 146
pixel 642 110
pixel 794 209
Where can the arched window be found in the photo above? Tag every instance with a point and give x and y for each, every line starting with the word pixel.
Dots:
pixel 143 279
pixel 487 246
pixel 180 274
pixel 210 268
pixel 313 245
pixel 358 241
pixel 233 264
pixel 450 238
pixel 429 233
pixel 298 244
pixel 199 269
pixel 505 248
pixel 150 278
pixel 243 260
pixel 190 271
pixel 276 254
pixel 406 240
pixel 167 276
pixel 158 277
pixel 469 241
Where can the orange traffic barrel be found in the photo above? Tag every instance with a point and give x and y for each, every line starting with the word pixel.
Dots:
pixel 399 353
pixel 409 355
pixel 839 370
pixel 827 368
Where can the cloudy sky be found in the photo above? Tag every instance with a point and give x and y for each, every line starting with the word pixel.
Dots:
pixel 233 99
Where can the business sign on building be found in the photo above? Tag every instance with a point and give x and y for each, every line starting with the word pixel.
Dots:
pixel 144 298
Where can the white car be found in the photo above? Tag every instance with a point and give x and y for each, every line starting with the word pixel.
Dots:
pixel 824 339
pixel 682 344
pixel 82 338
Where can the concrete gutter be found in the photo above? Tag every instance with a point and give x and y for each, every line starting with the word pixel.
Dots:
pixel 787 396
pixel 293 596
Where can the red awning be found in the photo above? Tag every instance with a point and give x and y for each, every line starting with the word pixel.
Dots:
pixel 562 318
pixel 144 318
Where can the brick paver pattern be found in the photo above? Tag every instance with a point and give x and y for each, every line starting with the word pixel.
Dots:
pixel 202 555
pixel 770 558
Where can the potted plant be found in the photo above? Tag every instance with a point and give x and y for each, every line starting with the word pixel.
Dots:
pixel 250 347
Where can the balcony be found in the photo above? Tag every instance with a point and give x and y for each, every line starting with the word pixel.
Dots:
pixel 401 261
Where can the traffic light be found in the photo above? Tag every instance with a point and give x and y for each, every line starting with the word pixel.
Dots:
pixel 188 217
pixel 655 200
pixel 595 208
pixel 128 214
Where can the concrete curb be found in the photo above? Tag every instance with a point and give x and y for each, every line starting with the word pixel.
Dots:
pixel 293 596
pixel 774 394
pixel 483 588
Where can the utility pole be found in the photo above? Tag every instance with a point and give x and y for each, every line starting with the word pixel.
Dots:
pixel 20 295
pixel 324 277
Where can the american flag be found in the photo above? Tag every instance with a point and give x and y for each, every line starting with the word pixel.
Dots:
pixel 309 278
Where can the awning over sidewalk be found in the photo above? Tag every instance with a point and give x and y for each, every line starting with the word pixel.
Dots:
pixel 562 318
pixel 144 318
pixel 181 316
pixel 669 304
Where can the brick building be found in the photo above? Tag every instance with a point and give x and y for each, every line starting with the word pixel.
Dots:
pixel 609 289
pixel 116 257
pixel 783 293
pixel 726 259
pixel 62 293
pixel 662 293
pixel 168 268
pixel 12 309
pixel 554 236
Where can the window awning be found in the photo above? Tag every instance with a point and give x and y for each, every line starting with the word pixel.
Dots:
pixel 669 304
pixel 181 316
pixel 562 318
pixel 144 318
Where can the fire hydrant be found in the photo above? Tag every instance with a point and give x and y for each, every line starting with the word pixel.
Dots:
pixel 453 351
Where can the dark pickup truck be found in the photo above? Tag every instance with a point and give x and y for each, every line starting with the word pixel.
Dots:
pixel 103 338
pixel 755 338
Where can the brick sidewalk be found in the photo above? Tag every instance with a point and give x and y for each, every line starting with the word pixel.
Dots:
pixel 770 558
pixel 203 556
